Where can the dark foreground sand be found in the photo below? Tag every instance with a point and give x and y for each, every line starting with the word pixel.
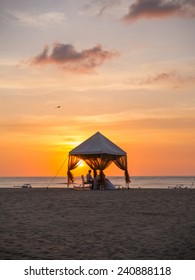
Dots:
pixel 69 224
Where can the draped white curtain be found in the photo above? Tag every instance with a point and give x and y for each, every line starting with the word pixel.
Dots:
pixel 121 162
pixel 72 164
pixel 97 162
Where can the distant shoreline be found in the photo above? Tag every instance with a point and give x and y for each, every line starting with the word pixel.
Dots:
pixel 136 182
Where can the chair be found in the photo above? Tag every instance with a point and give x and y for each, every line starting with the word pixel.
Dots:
pixel 85 185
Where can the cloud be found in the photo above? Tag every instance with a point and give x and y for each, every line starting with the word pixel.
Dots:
pixel 156 118
pixel 70 59
pixel 163 78
pixel 170 77
pixel 160 9
pixel 102 7
pixel 41 20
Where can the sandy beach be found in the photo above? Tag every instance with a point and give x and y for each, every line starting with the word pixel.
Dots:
pixel 126 224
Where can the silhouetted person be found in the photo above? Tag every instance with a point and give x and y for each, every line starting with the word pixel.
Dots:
pixel 89 177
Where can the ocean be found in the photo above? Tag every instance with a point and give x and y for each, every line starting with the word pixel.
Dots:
pixel 154 182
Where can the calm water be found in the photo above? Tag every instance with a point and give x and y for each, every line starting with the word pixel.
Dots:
pixel 136 182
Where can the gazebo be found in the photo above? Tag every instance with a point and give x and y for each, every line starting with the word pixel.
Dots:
pixel 98 152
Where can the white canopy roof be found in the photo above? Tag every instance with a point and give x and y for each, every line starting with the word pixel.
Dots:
pixel 97 144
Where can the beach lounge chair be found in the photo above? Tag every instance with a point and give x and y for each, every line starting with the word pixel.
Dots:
pixel 85 186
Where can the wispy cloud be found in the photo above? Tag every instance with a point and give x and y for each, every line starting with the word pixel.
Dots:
pixel 160 9
pixel 70 59
pixel 158 78
pixel 157 118
pixel 102 7
pixel 41 20
pixel 163 78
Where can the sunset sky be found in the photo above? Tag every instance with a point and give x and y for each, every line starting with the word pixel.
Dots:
pixel 123 68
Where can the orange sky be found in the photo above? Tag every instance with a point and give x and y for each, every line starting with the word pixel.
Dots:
pixel 125 70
